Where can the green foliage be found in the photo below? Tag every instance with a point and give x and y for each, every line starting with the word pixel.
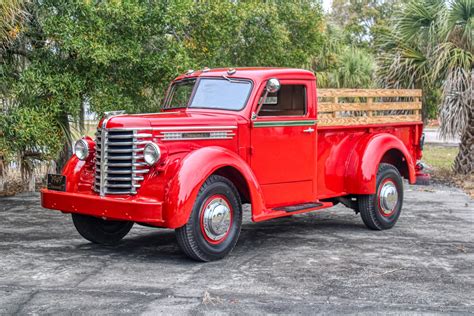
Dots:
pixel 340 65
pixel 250 33
pixel 362 20
pixel 32 132
pixel 113 55
pixel 354 68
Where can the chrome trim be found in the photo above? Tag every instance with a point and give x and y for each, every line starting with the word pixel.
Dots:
pixel 126 164
pixel 171 128
pixel 123 186
pixel 103 149
pixel 119 170
pixel 217 218
pixel 125 178
pixel 196 135
pixel 192 128
pixel 196 138
pixel 127 157
pixel 113 113
pixel 141 171
pixel 156 113
pixel 86 145
pixel 128 136
pixel 124 151
pixel 388 197
pixel 157 150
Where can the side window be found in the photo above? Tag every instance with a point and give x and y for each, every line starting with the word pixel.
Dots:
pixel 180 94
pixel 289 100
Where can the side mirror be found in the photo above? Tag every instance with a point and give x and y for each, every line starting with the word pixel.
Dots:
pixel 273 85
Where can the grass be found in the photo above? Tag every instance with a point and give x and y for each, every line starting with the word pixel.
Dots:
pixel 440 161
pixel 439 157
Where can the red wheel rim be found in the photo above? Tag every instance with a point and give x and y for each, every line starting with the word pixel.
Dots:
pixel 215 218
pixel 387 197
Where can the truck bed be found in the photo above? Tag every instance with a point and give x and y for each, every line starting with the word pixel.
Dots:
pixel 347 116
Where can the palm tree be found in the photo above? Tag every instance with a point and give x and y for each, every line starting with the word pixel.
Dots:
pixel 430 47
pixel 454 64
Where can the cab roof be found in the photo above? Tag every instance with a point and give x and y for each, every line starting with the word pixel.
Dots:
pixel 253 73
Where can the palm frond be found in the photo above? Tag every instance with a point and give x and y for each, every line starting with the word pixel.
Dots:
pixel 459 24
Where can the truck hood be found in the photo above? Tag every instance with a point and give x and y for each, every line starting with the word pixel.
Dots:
pixel 171 119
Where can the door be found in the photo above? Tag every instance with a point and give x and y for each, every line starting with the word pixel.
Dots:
pixel 283 138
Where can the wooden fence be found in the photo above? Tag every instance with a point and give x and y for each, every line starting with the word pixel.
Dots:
pixel 342 107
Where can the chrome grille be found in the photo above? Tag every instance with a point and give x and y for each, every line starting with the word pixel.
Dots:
pixel 119 160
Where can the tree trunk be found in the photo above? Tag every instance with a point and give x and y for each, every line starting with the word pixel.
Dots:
pixel 2 175
pixel 66 152
pixel 82 116
pixel 464 162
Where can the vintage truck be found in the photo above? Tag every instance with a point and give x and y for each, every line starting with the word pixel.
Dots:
pixel 227 137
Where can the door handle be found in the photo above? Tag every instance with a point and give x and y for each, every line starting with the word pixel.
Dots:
pixel 309 130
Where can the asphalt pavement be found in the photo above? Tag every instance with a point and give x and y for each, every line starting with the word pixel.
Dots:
pixel 321 262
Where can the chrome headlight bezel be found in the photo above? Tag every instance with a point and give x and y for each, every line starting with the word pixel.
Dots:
pixel 151 153
pixel 82 149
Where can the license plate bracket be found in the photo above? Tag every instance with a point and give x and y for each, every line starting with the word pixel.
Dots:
pixel 56 182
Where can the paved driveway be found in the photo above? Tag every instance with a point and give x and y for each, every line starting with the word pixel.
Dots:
pixel 432 136
pixel 319 262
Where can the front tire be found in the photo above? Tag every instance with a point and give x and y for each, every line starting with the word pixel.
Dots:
pixel 215 221
pixel 381 210
pixel 101 231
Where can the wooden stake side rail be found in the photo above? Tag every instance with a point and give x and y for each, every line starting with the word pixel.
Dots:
pixel 342 107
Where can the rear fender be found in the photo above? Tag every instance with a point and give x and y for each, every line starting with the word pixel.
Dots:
pixel 361 171
pixel 192 171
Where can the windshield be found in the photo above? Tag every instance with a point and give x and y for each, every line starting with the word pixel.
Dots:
pixel 210 93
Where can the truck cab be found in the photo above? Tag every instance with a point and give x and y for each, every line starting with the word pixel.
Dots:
pixel 228 137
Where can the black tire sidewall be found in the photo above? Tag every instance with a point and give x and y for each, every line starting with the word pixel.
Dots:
pixel 216 251
pixel 92 229
pixel 394 176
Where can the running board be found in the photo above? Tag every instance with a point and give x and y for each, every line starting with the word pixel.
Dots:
pixel 290 210
pixel 298 207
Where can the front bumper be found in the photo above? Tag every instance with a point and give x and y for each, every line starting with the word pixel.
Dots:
pixel 135 210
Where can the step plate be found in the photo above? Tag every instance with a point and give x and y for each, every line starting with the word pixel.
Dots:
pixel 298 207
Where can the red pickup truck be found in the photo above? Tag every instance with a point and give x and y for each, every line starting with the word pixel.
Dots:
pixel 227 137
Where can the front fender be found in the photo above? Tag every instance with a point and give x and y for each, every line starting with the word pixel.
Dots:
pixel 192 171
pixel 361 171
pixel 79 174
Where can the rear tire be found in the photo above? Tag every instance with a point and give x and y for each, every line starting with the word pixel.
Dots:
pixel 381 210
pixel 215 221
pixel 101 231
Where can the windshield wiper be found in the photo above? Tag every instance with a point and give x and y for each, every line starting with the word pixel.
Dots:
pixel 230 79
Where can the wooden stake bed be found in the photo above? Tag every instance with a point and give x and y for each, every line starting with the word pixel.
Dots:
pixel 343 107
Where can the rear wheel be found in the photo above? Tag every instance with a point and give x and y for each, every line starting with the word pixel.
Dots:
pixel 101 231
pixel 381 210
pixel 214 224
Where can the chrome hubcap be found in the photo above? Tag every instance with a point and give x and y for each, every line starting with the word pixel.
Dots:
pixel 388 197
pixel 216 218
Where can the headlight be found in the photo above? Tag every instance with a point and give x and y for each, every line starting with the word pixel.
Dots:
pixel 81 149
pixel 151 154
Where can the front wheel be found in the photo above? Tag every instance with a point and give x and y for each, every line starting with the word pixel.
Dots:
pixel 215 221
pixel 381 210
pixel 101 231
